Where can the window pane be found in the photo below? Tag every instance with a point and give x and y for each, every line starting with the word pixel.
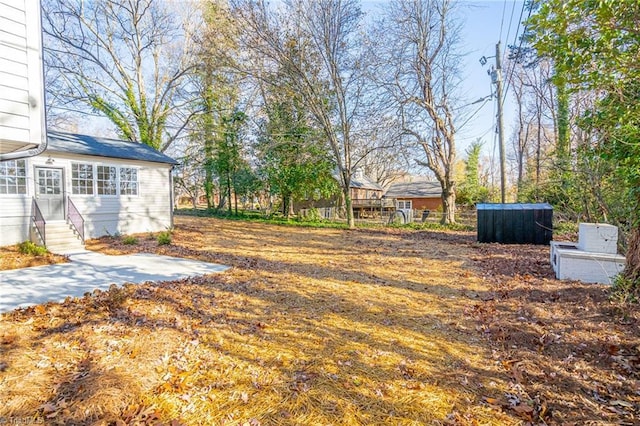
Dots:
pixel 106 180
pixel 10 172
pixel 82 179
pixel 128 181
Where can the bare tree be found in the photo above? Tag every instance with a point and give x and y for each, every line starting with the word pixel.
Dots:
pixel 125 59
pixel 419 71
pixel 315 47
pixel 380 153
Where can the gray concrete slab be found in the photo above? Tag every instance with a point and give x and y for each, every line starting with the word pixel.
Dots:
pixel 88 271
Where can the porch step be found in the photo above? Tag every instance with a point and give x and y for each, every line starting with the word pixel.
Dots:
pixel 61 238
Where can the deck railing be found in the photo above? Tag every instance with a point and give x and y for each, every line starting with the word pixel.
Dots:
pixel 38 221
pixel 373 202
pixel 75 218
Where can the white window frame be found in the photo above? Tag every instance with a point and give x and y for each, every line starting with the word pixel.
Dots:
pixel 404 204
pixel 91 187
pixel 135 182
pixel 98 180
pixel 118 182
pixel 12 180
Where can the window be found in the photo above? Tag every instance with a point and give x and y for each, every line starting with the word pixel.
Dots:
pixel 13 177
pixel 128 181
pixel 404 204
pixel 106 180
pixel 89 179
pixel 49 181
pixel 82 179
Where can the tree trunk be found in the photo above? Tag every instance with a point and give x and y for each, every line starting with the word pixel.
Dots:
pixel 285 205
pixel 448 204
pixel 632 270
pixel 229 193
pixel 562 144
pixel 235 200
pixel 208 189
pixel 349 207
pixel 222 202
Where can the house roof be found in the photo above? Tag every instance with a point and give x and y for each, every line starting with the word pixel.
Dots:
pixel 102 147
pixel 417 189
pixel 364 182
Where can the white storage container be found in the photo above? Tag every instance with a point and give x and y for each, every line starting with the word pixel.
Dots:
pixel 598 238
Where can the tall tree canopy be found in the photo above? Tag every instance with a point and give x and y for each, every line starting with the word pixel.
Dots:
pixel 595 45
pixel 124 59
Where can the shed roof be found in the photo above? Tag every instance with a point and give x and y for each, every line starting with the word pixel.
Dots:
pixel 416 189
pixel 514 206
pixel 102 147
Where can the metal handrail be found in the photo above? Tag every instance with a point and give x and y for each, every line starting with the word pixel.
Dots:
pixel 75 218
pixel 38 221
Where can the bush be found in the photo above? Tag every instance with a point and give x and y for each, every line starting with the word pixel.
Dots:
pixel 624 290
pixel 164 238
pixel 130 240
pixel 310 215
pixel 27 247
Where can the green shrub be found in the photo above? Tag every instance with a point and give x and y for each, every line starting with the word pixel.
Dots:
pixel 624 290
pixel 28 247
pixel 130 240
pixel 311 215
pixel 164 238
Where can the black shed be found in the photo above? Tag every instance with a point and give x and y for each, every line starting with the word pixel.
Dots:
pixel 515 223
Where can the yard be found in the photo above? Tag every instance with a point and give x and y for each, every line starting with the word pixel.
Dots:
pixel 328 326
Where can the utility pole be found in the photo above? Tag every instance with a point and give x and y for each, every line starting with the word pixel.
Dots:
pixel 498 81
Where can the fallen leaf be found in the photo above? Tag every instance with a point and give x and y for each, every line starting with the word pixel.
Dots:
pixel 48 408
pixel 523 409
pixel 621 403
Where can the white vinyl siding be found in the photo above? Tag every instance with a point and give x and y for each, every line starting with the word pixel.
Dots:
pixel 21 76
pixel 13 177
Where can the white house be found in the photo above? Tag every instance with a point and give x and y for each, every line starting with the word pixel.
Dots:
pixel 58 189
pixel 84 187
pixel 22 110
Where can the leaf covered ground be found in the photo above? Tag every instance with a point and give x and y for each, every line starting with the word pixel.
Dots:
pixel 328 326
pixel 12 258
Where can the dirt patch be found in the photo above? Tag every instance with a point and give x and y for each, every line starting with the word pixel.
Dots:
pixel 323 326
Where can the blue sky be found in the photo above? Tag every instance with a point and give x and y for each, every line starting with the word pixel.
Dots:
pixel 481 32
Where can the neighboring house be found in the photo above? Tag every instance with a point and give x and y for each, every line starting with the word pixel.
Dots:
pixel 416 195
pixel 84 185
pixel 363 188
pixel 366 197
pixel 22 111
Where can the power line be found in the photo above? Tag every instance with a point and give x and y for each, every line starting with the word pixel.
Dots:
pixel 486 99
pixel 515 40
pixel 511 22
pixel 504 8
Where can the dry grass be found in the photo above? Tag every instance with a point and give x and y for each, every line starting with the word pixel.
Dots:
pixel 12 258
pixel 313 327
